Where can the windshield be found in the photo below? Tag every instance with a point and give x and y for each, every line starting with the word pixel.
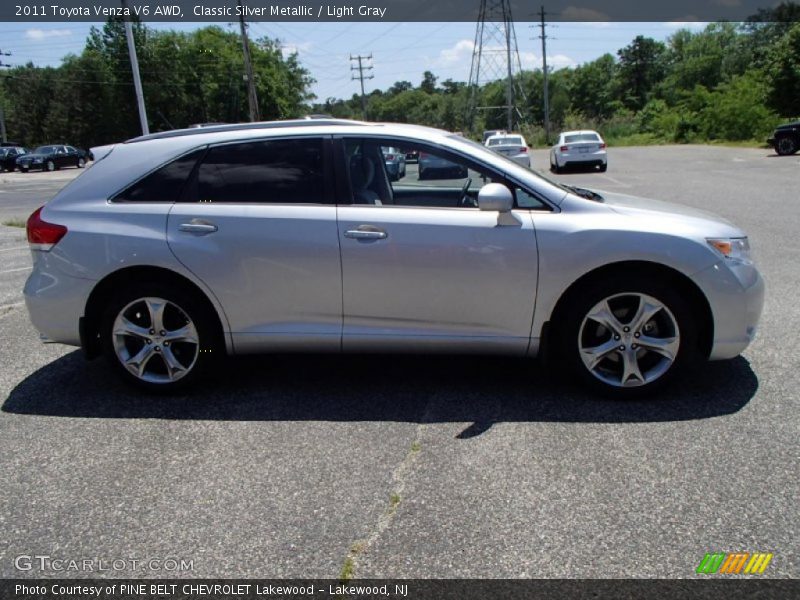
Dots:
pixel 43 150
pixel 512 166
pixel 581 137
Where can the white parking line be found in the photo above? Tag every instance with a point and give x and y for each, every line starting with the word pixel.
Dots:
pixel 16 270
pixel 14 248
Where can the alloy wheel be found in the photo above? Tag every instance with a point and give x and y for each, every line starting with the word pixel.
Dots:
pixel 155 340
pixel 629 340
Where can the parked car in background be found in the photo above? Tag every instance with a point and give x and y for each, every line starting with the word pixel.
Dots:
pixel 490 132
pixel 395 161
pixel 584 148
pixel 432 166
pixel 50 158
pixel 273 237
pixel 412 156
pixel 511 145
pixel 786 139
pixel 9 155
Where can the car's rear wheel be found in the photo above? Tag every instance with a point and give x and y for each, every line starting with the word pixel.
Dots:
pixel 604 167
pixel 159 337
pixel 50 165
pixel 626 338
pixel 786 146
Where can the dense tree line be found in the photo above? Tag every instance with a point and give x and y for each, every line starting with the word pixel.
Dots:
pixel 728 82
pixel 187 78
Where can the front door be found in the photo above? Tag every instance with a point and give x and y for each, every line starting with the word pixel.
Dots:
pixel 422 266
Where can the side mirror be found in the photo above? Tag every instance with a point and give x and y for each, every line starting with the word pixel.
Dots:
pixel 495 196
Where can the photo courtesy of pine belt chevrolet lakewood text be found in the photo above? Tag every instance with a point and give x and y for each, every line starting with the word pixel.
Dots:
pixel 178 247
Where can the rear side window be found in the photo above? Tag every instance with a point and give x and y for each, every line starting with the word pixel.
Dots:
pixel 264 171
pixel 164 184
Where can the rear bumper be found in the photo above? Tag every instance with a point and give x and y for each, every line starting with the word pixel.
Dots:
pixel 590 158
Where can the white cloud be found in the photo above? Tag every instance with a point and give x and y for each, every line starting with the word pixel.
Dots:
pixel 575 13
pixel 688 22
pixel 455 55
pixel 290 48
pixel 41 34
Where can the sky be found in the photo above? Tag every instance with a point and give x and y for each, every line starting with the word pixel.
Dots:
pixel 400 51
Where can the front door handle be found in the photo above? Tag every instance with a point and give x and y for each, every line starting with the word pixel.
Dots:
pixel 198 226
pixel 366 232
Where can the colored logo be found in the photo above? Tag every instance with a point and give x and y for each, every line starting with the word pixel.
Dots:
pixel 735 563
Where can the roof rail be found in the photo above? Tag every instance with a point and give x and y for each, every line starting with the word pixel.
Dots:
pixel 314 121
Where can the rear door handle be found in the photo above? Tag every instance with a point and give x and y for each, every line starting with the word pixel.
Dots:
pixel 366 234
pixel 198 226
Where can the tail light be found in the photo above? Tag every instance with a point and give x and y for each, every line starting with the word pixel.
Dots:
pixel 41 234
pixel 388 156
pixel 523 149
pixel 423 155
pixel 602 146
pixel 564 148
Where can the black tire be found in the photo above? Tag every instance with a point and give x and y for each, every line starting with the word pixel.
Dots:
pixel 49 166
pixel 786 145
pixel 209 347
pixel 24 169
pixel 569 333
pixel 422 174
pixel 604 168
pixel 81 163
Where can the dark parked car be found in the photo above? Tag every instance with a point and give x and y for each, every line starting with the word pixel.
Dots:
pixel 395 160
pixel 786 139
pixel 50 158
pixel 9 156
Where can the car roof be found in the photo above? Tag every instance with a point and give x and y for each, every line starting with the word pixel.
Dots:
pixel 579 131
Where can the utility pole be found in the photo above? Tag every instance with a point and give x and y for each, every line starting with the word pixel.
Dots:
pixel 361 68
pixel 3 137
pixel 137 82
pixel 252 99
pixel 543 37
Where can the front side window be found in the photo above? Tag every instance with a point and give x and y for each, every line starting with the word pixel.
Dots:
pixel 438 179
pixel 263 171
pixel 164 184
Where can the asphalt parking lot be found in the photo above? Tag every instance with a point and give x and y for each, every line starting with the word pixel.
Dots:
pixel 295 466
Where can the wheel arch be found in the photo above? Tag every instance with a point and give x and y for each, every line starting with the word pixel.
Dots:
pixel 633 268
pixel 106 287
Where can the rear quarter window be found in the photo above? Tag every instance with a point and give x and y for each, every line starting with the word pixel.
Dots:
pixel 164 184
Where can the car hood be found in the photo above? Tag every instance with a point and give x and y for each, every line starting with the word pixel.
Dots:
pixel 785 126
pixel 658 209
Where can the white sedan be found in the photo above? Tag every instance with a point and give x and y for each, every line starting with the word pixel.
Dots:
pixel 578 148
pixel 511 145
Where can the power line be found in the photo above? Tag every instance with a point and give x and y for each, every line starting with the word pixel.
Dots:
pixel 361 77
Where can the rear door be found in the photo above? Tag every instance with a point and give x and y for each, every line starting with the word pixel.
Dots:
pixel 258 226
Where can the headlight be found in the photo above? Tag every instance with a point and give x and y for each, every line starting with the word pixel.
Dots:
pixel 736 250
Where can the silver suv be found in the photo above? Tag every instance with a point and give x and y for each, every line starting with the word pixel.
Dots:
pixel 177 247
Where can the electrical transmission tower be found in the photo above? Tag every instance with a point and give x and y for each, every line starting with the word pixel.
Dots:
pixel 361 77
pixel 495 57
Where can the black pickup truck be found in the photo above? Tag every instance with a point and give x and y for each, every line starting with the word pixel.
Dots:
pixel 786 138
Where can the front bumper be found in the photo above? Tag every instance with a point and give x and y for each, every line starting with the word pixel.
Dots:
pixel 736 296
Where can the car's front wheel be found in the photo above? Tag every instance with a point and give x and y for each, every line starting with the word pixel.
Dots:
pixel 159 337
pixel 786 145
pixel 81 163
pixel 49 166
pixel 627 337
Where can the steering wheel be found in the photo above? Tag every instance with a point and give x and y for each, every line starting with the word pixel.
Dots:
pixel 466 199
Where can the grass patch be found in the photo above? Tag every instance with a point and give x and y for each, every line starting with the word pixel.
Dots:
pixel 348 570
pixel 15 223
pixel 416 446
